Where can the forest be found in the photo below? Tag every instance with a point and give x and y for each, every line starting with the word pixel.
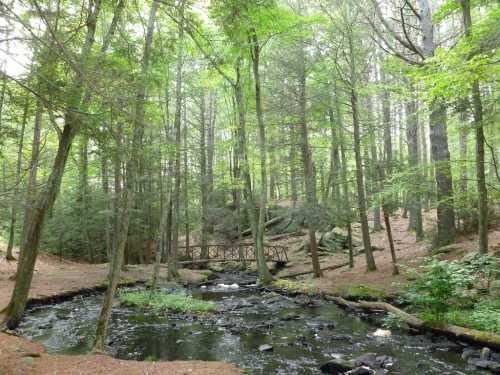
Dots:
pixel 249 186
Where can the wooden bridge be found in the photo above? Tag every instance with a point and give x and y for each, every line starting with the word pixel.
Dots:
pixel 230 253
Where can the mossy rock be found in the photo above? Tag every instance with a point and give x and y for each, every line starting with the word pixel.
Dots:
pixel 364 292
pixel 445 249
pixel 295 288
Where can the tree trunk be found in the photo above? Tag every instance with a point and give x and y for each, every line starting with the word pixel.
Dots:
pixel 203 180
pixel 242 152
pixel 172 260
pixel 370 261
pixel 414 196
pixel 84 197
pixel 106 191
pixel 292 166
pixel 131 177
pixel 264 274
pixel 19 166
pixel 477 106
pixel 346 199
pixel 439 142
pixel 33 173
pixel 309 178
pixel 45 201
pixel 463 134
pixel 186 184
pixel 334 182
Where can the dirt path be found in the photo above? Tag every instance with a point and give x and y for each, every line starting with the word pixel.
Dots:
pixel 54 277
pixel 22 357
pixel 408 251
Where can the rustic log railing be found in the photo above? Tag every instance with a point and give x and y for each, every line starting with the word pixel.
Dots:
pixel 230 253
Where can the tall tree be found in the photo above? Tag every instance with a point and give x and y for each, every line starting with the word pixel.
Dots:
pixel 45 200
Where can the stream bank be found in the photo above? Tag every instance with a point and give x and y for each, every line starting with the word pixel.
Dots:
pixel 260 331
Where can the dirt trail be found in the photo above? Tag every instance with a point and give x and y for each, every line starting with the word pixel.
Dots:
pixel 408 251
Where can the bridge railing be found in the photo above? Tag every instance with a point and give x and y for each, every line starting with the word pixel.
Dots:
pixel 273 253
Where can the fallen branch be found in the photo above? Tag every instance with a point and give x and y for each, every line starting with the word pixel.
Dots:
pixel 329 268
pixel 489 339
pixel 268 223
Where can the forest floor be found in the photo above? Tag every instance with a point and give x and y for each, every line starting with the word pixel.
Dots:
pixel 380 283
pixel 55 277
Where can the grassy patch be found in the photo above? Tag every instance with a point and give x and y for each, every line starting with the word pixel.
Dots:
pixel 176 302
pixel 294 287
pixel 485 316
pixel 364 292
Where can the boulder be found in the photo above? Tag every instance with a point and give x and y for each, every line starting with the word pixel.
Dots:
pixel 336 367
pixel 361 371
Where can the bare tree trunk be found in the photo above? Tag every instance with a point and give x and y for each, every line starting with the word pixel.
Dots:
pixel 33 173
pixel 264 274
pixel 309 178
pixel 293 168
pixel 19 166
pixel 425 167
pixel 203 180
pixel 106 191
pixel 463 134
pixel 243 158
pixel 477 112
pixel 414 197
pixel 346 199
pixel 377 226
pixel 172 260
pixel 84 197
pixel 439 143
pixel 365 229
pixel 186 184
pixel 131 177
pixel 333 179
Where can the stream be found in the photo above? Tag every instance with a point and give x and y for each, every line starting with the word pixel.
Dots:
pixel 304 333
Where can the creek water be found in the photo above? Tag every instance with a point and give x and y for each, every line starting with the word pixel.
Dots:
pixel 302 337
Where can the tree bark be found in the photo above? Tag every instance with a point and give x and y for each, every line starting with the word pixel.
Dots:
pixel 203 180
pixel 264 274
pixel 172 259
pixel 477 112
pixel 370 261
pixel 19 166
pixel 309 178
pixel 414 196
pixel 439 142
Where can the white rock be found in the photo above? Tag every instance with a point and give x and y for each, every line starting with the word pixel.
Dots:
pixel 234 286
pixel 382 333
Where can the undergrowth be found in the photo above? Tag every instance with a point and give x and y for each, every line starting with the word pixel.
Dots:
pixel 457 292
pixel 294 287
pixel 176 302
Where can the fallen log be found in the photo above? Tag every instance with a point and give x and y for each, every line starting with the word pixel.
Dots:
pixel 267 224
pixel 489 339
pixel 329 268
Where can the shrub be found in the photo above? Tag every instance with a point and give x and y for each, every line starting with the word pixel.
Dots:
pixel 439 285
